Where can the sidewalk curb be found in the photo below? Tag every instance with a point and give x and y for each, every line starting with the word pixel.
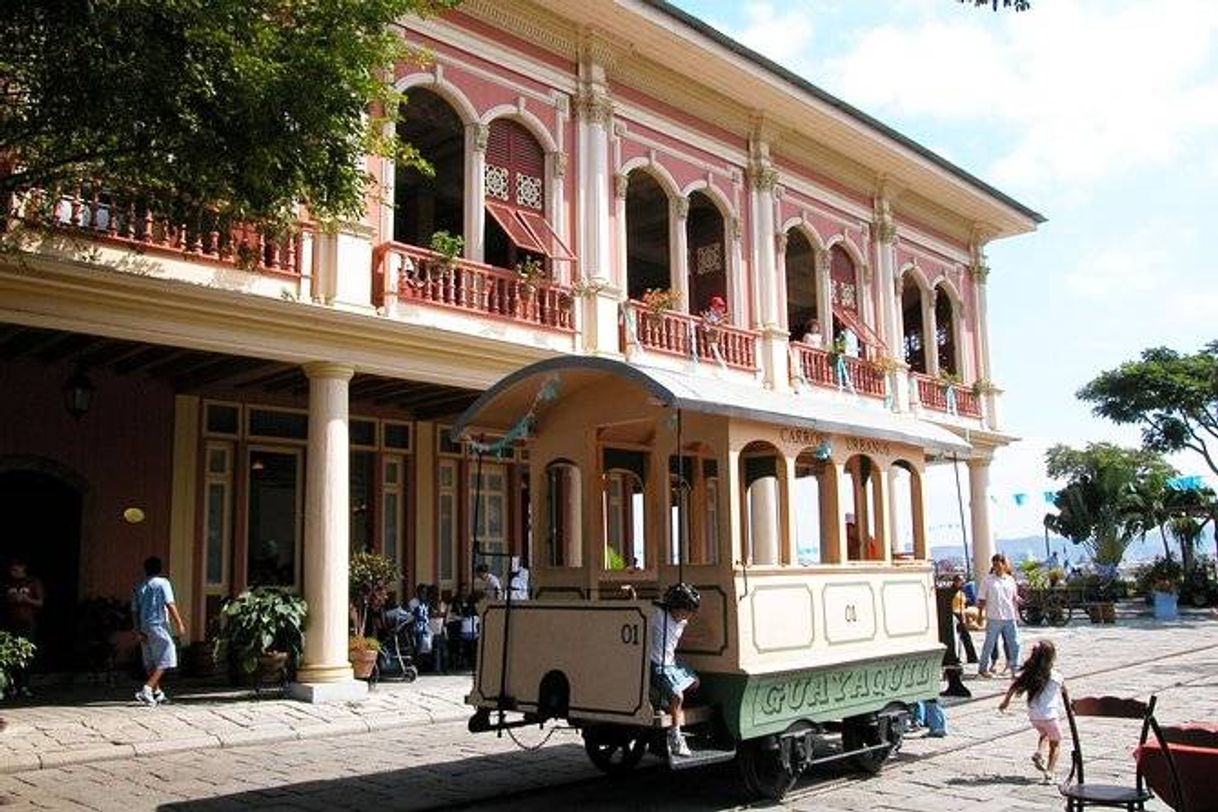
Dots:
pixel 49 760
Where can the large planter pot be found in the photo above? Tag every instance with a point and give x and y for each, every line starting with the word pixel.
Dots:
pixel 272 670
pixel 363 661
pixel 1165 606
pixel 1094 613
pixel 1108 612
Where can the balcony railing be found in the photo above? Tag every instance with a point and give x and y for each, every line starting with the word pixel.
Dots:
pixel 137 222
pixel 408 273
pixel 816 366
pixel 681 334
pixel 932 393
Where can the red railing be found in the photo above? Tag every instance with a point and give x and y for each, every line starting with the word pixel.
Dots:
pixel 137 221
pixel 425 276
pixel 932 393
pixel 816 366
pixel 673 334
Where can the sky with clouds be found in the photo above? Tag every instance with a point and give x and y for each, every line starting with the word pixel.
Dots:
pixel 1100 114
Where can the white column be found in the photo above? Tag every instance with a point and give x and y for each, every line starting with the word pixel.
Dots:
pixel 761 194
pixel 824 296
pixel 476 136
pixel 979 510
pixel 594 196
pixel 930 338
pixel 763 520
pixel 678 250
pixel 325 674
pixel 780 277
pixel 187 411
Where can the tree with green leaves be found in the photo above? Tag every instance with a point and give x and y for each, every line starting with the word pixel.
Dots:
pixel 1172 397
pixel 1102 505
pixel 250 107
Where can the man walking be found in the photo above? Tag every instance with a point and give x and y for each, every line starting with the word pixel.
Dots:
pixel 153 607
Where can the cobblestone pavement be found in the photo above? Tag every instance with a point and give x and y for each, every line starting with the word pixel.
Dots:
pixel 207 753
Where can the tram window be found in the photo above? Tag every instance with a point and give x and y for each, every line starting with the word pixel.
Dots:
pixel 625 520
pixel 564 542
pixel 680 521
pixel 710 525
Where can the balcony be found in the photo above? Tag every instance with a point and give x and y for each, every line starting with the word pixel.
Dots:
pixel 407 273
pixel 932 394
pixel 136 222
pixel 817 367
pixel 681 334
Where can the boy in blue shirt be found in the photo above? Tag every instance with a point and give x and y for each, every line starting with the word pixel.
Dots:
pixel 153 608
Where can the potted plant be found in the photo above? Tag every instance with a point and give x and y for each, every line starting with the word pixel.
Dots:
pixel 1165 599
pixel 983 386
pixel 264 629
pixel 371 577
pixel 16 653
pixel 448 246
pixel 658 300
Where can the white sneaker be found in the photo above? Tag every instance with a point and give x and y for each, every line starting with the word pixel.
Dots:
pixel 677 745
pixel 159 696
pixel 145 697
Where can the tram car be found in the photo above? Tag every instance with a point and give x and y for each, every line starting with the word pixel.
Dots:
pixel 642 478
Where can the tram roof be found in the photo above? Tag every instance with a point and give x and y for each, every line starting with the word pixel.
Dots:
pixel 501 406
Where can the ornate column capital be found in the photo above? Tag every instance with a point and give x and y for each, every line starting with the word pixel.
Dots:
pixel 820 259
pixel 482 134
pixel 593 106
pixel 979 270
pixel 680 207
pixel 336 370
pixel 885 226
pixel 780 242
pixel 762 176
pixel 558 162
pixel 734 228
pixel 621 185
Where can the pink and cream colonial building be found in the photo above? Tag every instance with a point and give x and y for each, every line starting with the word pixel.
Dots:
pixel 254 409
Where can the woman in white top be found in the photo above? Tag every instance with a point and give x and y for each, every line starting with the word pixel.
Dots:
pixel 996 599
pixel 1046 691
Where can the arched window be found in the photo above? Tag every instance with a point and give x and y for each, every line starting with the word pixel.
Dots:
pixel 945 332
pixel 704 230
pixel 515 188
pixel 846 299
pixel 647 235
pixel 426 204
pixel 801 286
pixel 911 319
pixel 624 500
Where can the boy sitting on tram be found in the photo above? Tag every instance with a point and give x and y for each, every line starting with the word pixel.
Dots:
pixel 669 680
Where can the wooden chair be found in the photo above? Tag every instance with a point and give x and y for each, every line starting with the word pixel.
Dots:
pixel 1079 793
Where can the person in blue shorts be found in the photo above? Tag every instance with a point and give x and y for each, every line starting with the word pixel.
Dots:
pixel 669 680
pixel 153 607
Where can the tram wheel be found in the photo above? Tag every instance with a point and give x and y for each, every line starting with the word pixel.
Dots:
pixel 866 731
pixel 762 768
pixel 614 752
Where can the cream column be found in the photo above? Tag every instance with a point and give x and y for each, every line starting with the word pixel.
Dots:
pixel 885 530
pixel 824 295
pixel 979 510
pixel 593 197
pixel 678 249
pixel 476 136
pixel 325 674
pixel 888 320
pixel 764 520
pixel 187 413
pixel 930 333
pixel 774 359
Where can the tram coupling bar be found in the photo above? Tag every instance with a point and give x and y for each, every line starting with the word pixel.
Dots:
pixel 481 722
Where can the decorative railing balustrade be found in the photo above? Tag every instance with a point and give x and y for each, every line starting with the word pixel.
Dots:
pixel 409 273
pixel 932 393
pixel 681 334
pixel 819 367
pixel 140 222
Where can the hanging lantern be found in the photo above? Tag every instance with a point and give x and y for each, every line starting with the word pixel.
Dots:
pixel 78 393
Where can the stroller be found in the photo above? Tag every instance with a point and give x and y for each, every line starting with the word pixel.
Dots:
pixel 395 662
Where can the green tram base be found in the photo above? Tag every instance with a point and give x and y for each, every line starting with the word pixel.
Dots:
pixel 754 705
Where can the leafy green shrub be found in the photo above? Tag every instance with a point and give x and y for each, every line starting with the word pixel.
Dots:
pixel 263 620
pixel 16 653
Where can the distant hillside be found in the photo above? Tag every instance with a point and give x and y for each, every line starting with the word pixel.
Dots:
pixel 1018 549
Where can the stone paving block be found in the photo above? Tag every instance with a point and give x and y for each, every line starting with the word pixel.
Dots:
pixel 57 758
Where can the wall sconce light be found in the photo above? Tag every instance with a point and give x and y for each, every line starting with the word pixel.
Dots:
pixel 78 393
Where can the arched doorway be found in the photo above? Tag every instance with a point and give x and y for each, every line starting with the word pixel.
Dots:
pixel 42 527
pixel 425 204
pixel 647 238
pixel 704 230
pixel 802 311
pixel 911 320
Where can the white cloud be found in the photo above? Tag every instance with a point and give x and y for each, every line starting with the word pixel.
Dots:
pixel 1081 89
pixel 781 36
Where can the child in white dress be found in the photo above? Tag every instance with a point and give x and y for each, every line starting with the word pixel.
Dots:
pixel 1046 691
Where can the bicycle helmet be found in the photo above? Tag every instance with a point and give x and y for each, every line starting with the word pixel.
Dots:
pixel 682 596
